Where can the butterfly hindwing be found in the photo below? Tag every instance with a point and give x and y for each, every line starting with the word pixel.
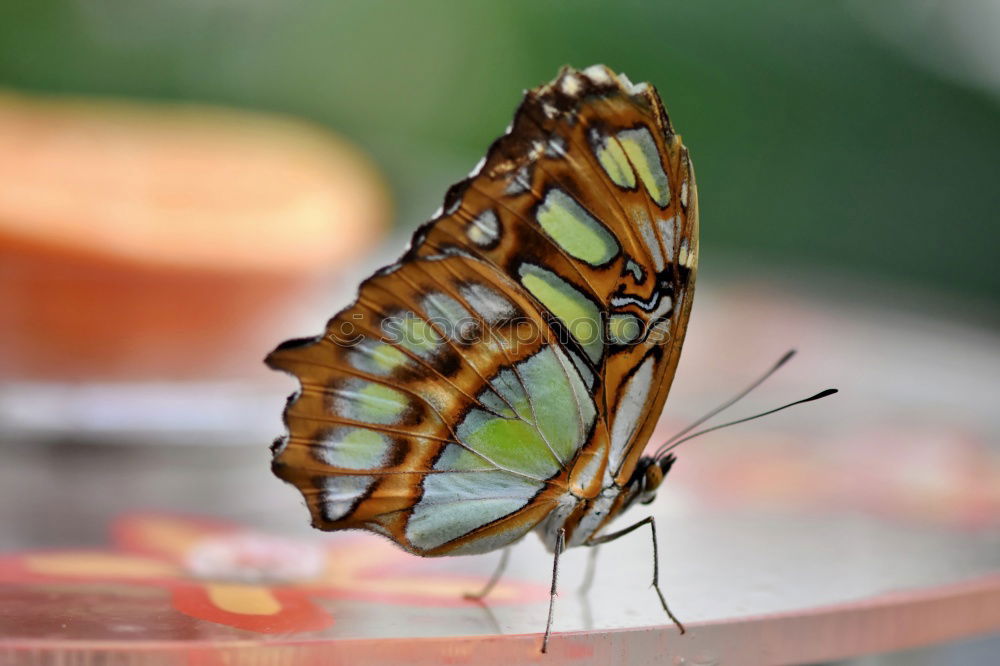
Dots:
pixel 407 403
pixel 521 350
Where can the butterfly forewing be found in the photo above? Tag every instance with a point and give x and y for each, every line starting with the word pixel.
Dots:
pixel 521 350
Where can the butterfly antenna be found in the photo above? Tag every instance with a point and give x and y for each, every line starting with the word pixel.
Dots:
pixel 729 403
pixel 822 394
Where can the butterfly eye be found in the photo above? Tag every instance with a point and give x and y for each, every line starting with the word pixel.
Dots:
pixel 650 482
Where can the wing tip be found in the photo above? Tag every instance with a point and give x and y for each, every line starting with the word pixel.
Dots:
pixel 571 87
pixel 578 83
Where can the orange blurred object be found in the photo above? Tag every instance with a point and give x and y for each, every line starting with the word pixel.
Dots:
pixel 145 241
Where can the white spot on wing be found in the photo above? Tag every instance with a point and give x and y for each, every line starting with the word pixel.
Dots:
pixel 632 88
pixel 663 308
pixel 520 183
pixel 484 229
pixel 685 256
pixel 635 269
pixel 391 268
pixel 448 315
pixel 667 235
pixel 556 146
pixel 489 303
pixel 631 408
pixel 570 84
pixel 341 492
pixel 649 238
pixel 598 74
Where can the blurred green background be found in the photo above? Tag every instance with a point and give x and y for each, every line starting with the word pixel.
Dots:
pixel 863 138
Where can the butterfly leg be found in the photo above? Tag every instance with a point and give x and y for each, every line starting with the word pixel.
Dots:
pixel 491 583
pixel 588 575
pixel 560 544
pixel 656 559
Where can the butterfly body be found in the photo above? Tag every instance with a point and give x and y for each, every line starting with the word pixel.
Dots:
pixel 506 373
pixel 589 517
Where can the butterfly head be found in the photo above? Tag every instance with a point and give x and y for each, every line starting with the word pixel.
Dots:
pixel 648 476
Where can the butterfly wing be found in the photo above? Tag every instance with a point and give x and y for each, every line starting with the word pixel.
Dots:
pixel 626 167
pixel 523 346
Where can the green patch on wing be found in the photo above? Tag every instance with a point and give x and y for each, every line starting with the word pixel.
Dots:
pixel 415 334
pixel 463 494
pixel 576 230
pixel 577 312
pixel 354 448
pixel 369 402
pixel 550 420
pixel 642 152
pixel 615 164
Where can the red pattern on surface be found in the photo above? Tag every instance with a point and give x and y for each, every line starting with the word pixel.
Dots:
pixel 155 551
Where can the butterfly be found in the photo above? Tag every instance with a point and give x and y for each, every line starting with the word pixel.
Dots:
pixel 505 374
